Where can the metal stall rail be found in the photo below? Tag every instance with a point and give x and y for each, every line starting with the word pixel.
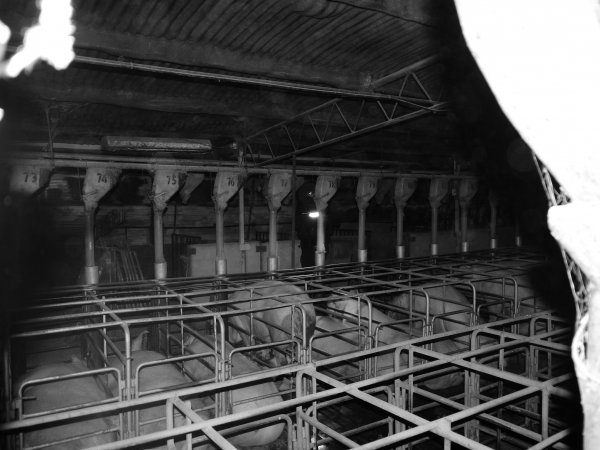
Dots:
pixel 433 336
pixel 495 407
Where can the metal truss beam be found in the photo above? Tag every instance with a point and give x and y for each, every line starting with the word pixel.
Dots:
pixel 341 119
pixel 233 79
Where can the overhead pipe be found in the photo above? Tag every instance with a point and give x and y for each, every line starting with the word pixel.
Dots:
pixel 227 184
pixel 96 184
pixel 466 191
pixel 365 191
pixel 278 187
pixel 220 77
pixel 165 184
pixel 437 191
pixel 493 199
pixel 325 188
pixel 85 160
pixel 404 189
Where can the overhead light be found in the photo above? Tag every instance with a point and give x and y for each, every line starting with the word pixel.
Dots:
pixel 313 214
pixel 148 144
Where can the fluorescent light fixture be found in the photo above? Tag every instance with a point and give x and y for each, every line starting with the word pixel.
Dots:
pixel 313 214
pixel 147 144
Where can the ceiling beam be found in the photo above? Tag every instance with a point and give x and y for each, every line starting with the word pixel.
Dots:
pixel 210 56
pixel 266 109
pixel 199 54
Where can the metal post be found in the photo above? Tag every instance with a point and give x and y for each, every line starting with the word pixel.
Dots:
pixel 220 261
pixel 518 239
pixel 365 191
pixel 467 189
pixel 160 263
pixel 165 184
pixel 403 190
pixel 293 232
pixel 272 259
pixel 463 228
pixel 320 251
pixel 493 198
pixel 278 188
pixel 400 232
pixel 437 191
pixel 362 234
pixel 325 188
pixel 241 235
pixel 91 269
pixel 226 185
pixel 96 184
pixel 434 230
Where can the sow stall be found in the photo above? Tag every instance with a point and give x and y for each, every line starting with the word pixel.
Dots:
pixel 493 369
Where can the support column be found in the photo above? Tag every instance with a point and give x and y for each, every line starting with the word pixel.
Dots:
pixel 493 199
pixel 278 188
pixel 437 191
pixel 365 190
pixel 467 189
pixel 165 184
pixel 404 189
pixel 325 188
pixel 97 183
pixel 296 183
pixel 226 186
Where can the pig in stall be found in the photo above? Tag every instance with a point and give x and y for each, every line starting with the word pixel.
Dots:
pixel 63 393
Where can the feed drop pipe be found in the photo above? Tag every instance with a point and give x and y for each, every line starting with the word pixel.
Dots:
pixel 493 199
pixel 365 190
pixel 325 188
pixel 226 186
pixel 467 189
pixel 437 191
pixel 278 188
pixel 97 183
pixel 296 183
pixel 165 184
pixel 28 179
pixel 404 189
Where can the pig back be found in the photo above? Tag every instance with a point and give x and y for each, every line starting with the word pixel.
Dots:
pixel 162 376
pixel 62 394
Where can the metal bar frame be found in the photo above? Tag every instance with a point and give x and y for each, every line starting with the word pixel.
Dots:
pixel 130 306
pixel 416 107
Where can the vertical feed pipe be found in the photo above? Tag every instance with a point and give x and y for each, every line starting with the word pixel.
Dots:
pixel 403 190
pixel 325 189
pixel 365 190
pixel 437 191
pixel 278 188
pixel 227 184
pixel 96 184
pixel 493 199
pixel 165 184
pixel 467 189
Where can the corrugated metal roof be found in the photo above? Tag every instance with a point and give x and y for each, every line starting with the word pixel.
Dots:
pixel 327 43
